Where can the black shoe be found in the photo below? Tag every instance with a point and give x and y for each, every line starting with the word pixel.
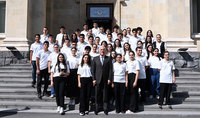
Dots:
pixel 39 96
pixel 33 85
pixel 45 94
pixel 160 106
pixel 96 112
pixel 170 107
pixel 106 112
pixel 117 112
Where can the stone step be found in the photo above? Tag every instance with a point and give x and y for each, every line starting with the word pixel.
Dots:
pixel 186 87
pixel 25 75
pixel 15 68
pixel 195 78
pixel 15 71
pixel 27 64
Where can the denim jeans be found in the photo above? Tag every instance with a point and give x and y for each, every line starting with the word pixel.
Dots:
pixel 34 72
pixel 52 90
pixel 155 84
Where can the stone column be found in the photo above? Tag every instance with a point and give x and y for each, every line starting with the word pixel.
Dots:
pixel 16 25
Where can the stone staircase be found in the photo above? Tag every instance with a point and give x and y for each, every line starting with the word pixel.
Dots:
pixel 16 91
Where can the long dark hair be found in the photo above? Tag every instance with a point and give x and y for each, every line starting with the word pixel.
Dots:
pixel 88 62
pixel 115 44
pixel 125 48
pixel 148 53
pixel 157 55
pixel 151 33
pixel 148 42
pixel 73 40
pixel 58 62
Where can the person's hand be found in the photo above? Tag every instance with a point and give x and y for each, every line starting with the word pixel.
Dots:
pixel 126 84
pixel 51 83
pixel 61 73
pixel 109 82
pixel 134 84
pixel 173 80
pixel 113 85
pixel 94 82
pixel 79 85
pixel 38 71
pixel 30 62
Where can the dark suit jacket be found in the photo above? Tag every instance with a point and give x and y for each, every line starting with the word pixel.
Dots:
pixel 102 73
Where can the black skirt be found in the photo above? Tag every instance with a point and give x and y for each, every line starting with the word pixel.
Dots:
pixel 72 89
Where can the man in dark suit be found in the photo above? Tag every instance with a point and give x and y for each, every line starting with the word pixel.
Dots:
pixel 102 77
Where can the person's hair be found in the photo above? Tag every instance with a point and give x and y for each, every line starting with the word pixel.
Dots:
pixel 37 35
pixel 118 55
pixel 74 48
pixel 138 48
pixel 116 27
pixel 97 38
pixel 151 33
pixel 82 35
pixel 62 27
pixel 91 37
pixel 165 52
pixel 115 44
pixel 84 25
pixel 134 29
pixel 45 27
pixel 128 28
pixel 50 35
pixel 109 34
pixel 148 42
pixel 89 60
pixel 159 35
pixel 58 62
pixel 132 52
pixel 56 45
pixel 158 50
pixel 87 48
pixel 119 34
pixel 139 42
pixel 105 43
pixel 139 29
pixel 74 42
pixel 125 48
pixel 148 53
pixel 78 30
pixel 71 38
pixel 94 44
pixel 46 42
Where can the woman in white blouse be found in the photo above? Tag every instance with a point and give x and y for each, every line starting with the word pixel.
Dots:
pixel 117 46
pixel 94 51
pixel 127 49
pixel 154 63
pixel 120 81
pixel 85 83
pixel 72 81
pixel 133 68
pixel 59 72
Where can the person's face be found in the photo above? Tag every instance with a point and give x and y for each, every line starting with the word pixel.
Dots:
pixel 158 38
pixel 61 58
pixel 127 46
pixel 139 52
pixel 94 47
pixel 104 44
pixel 101 30
pixel 87 51
pixel 139 44
pixel 109 48
pixel 119 37
pixel 139 32
pixel 148 39
pixel 109 37
pixel 149 33
pixel 90 40
pixel 81 38
pixel 155 52
pixel 37 38
pixel 50 39
pixel 46 46
pixel 97 40
pixel 119 59
pixel 150 48
pixel 166 56
pixel 134 33
pixel 85 27
pixel 131 56
pixel 101 51
pixel 78 33
pixel 56 48
pixel 113 54
pixel 65 36
pixel 117 43
pixel 45 31
pixel 74 45
pixel 89 31
pixel 73 36
pixel 95 25
pixel 85 59
pixel 125 32
pixel 73 51
pixel 62 30
pixel 108 31
pixel 115 30
pixel 128 30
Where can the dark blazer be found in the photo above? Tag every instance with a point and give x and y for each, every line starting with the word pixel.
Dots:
pixel 102 72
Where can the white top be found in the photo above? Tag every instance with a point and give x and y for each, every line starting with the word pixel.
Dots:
pixel 36 47
pixel 84 32
pixel 119 50
pixel 129 35
pixel 119 70
pixel 159 44
pixel 56 72
pixel 143 62
pixel 133 42
pixel 84 71
pixel 132 66
pixel 126 56
pixel 110 42
pixel 66 51
pixel 103 37
pixel 51 45
pixel 44 38
pixel 43 56
pixel 53 58
pixel 142 38
pixel 114 35
pixel 59 38
pixel 95 31
pixel 125 40
pixel 73 62
pixel 154 62
pixel 166 68
pixel 93 54
pixel 81 47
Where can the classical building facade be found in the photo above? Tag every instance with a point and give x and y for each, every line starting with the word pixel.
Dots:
pixel 177 20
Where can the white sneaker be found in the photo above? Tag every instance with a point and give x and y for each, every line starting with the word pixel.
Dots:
pixel 73 102
pixel 151 97
pixel 157 96
pixel 61 110
pixel 128 111
pixel 58 109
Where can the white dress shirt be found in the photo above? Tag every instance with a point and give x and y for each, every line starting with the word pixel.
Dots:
pixel 119 70
pixel 84 71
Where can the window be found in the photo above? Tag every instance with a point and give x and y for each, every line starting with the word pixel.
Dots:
pixel 2 15
pixel 195 18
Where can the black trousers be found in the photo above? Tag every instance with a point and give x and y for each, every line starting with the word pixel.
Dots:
pixel 133 106
pixel 119 89
pixel 142 85
pixel 85 93
pixel 101 95
pixel 43 74
pixel 59 86
pixel 165 91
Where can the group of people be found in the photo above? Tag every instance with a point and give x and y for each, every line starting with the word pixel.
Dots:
pixel 105 68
